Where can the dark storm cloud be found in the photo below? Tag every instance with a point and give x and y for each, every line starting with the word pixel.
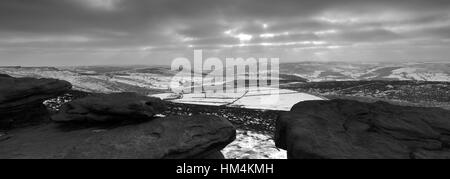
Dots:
pixel 179 25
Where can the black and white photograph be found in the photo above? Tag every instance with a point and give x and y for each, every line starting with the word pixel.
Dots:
pixel 225 80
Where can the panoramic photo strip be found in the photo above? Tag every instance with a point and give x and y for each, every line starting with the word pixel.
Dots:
pixel 224 87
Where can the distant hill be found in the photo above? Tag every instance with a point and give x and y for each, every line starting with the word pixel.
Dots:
pixel 336 71
pixel 146 79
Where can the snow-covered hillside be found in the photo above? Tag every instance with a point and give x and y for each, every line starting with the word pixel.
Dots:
pixel 317 71
pixel 89 80
pixel 147 79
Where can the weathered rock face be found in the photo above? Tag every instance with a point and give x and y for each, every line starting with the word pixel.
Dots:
pixel 21 99
pixel 350 129
pixel 163 138
pixel 110 107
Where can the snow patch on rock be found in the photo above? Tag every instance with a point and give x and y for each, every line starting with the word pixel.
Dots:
pixel 253 145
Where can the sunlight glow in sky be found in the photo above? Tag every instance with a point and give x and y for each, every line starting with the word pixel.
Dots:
pixel 89 32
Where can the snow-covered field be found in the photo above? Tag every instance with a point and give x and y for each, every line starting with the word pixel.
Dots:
pixel 253 98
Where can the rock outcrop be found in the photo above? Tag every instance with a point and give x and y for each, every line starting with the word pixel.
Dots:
pixel 177 137
pixel 5 76
pixel 349 129
pixel 21 99
pixel 110 107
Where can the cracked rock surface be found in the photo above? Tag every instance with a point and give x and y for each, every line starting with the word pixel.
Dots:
pixel 350 129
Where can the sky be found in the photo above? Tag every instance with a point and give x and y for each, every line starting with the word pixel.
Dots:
pixel 154 32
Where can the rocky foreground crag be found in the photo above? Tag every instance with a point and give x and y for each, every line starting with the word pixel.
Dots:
pixel 121 125
pixel 21 99
pixel 174 137
pixel 343 129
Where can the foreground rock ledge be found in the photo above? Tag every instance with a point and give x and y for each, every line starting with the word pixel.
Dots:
pixel 349 129
pixel 162 138
pixel 21 99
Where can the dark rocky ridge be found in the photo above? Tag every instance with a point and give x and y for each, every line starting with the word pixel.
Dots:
pixel 349 129
pixel 110 107
pixel 21 99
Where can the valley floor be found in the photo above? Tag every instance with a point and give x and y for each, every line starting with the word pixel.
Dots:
pixel 252 98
